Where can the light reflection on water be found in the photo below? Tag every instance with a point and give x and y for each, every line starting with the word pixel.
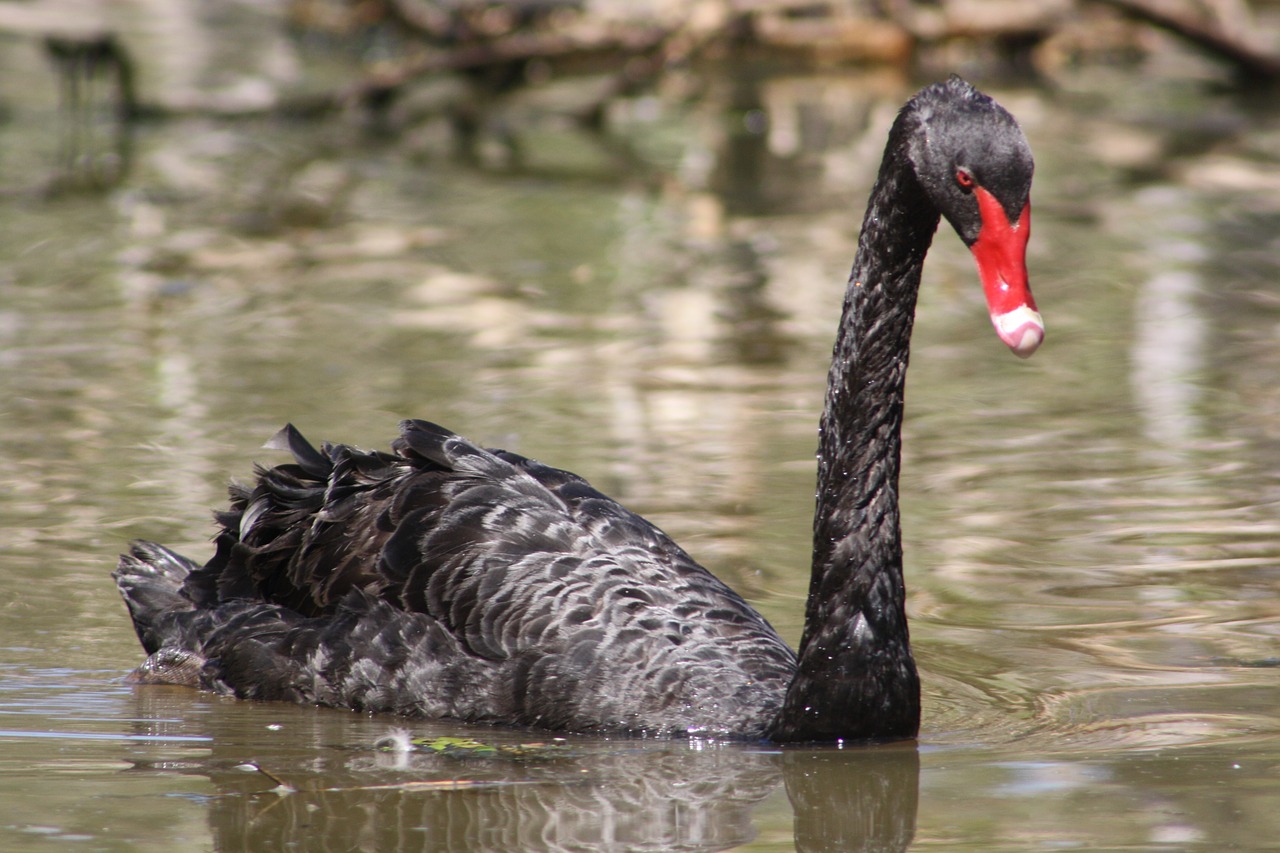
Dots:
pixel 1091 536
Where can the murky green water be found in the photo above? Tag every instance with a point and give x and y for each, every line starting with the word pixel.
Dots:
pixel 1092 536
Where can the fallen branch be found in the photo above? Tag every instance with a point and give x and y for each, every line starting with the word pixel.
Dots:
pixel 1255 65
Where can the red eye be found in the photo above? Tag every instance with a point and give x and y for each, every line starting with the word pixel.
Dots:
pixel 964 179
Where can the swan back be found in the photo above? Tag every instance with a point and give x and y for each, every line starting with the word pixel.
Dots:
pixel 447 580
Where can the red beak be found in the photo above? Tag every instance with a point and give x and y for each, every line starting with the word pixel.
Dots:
pixel 1001 253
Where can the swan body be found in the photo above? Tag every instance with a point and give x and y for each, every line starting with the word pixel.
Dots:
pixel 444 580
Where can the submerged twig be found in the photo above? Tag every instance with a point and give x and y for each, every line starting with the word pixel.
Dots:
pixel 281 787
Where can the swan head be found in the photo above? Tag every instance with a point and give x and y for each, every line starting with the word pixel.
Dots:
pixel 975 166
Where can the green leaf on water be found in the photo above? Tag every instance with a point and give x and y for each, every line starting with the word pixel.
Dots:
pixel 458 746
pixel 464 747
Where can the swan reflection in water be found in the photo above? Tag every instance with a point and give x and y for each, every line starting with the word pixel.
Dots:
pixel 585 794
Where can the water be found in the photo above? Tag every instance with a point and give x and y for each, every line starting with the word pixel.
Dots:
pixel 1092 535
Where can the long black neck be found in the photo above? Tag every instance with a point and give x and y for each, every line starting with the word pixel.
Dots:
pixel 856 678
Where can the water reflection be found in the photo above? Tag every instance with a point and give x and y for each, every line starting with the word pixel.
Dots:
pixel 575 794
pixel 1092 536
pixel 1171 332
pixel 96 90
pixel 853 799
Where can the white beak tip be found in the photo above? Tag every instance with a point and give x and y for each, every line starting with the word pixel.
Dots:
pixel 1021 329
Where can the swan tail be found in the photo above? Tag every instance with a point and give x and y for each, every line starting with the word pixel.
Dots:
pixel 231 648
pixel 150 579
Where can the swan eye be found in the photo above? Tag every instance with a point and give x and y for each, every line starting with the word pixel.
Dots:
pixel 964 179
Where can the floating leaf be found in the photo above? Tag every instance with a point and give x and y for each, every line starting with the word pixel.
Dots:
pixel 464 747
pixel 456 746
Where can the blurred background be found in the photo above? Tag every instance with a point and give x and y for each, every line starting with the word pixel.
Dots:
pixel 614 236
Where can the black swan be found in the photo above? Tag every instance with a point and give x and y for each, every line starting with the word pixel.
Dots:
pixel 445 580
